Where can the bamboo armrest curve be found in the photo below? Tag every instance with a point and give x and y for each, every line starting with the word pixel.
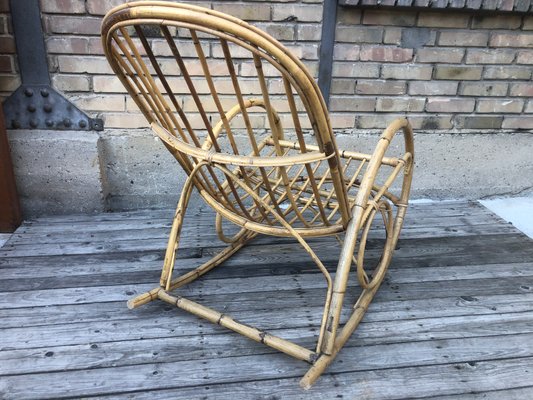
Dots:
pixel 392 161
pixel 232 159
pixel 394 127
pixel 375 162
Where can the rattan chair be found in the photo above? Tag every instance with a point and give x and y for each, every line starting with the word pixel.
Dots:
pixel 267 162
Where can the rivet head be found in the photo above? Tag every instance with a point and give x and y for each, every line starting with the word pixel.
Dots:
pixel 67 122
pixel 47 108
pixel 44 93
pixel 34 123
pixel 82 123
pixel 28 92
pixel 49 122
pixel 31 108
pixel 15 124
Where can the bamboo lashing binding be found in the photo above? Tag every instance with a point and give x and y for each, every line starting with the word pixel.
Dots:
pixel 280 173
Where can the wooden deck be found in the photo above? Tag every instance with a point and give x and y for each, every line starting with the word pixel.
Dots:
pixel 454 319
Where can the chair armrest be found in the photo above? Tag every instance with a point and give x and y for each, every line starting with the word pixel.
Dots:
pixel 367 182
pixel 231 159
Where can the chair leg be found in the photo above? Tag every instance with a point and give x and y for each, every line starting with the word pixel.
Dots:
pixel 251 332
pixel 166 282
pixel 175 231
pixel 192 275
pixel 360 216
pixel 337 341
pixel 341 281
pixel 325 360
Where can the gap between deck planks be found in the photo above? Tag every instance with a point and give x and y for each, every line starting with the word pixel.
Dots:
pixel 454 314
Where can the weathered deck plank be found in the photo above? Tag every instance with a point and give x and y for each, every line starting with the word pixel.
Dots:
pixel 382 310
pixel 187 348
pixel 254 298
pixel 300 326
pixel 446 251
pixel 452 321
pixel 229 281
pixel 391 383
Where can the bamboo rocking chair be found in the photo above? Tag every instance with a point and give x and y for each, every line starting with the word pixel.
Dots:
pixel 268 163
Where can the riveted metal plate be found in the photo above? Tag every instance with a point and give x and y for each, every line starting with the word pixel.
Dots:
pixel 41 107
pixel 35 104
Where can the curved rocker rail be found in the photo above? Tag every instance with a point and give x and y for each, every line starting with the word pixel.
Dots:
pixel 296 189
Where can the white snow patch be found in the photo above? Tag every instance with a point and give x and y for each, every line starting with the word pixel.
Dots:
pixel 517 210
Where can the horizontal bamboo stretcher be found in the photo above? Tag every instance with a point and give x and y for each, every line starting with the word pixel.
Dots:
pixel 299 186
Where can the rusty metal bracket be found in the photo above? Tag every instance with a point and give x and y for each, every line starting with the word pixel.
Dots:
pixel 35 104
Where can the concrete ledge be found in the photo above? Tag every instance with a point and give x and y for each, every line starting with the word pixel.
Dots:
pixel 473 166
pixel 57 172
pixel 463 166
pixel 140 172
pixel 65 172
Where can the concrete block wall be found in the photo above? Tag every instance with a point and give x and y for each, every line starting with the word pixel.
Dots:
pixel 463 79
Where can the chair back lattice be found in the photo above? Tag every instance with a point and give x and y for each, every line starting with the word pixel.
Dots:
pixel 221 92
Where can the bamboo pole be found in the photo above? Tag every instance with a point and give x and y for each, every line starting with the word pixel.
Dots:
pixel 324 360
pixel 226 321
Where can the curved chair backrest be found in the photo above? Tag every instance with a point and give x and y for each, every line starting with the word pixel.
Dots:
pixel 193 73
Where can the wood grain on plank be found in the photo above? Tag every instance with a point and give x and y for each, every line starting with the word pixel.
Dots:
pixel 453 314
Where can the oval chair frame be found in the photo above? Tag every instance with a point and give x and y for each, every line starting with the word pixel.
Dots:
pixel 356 213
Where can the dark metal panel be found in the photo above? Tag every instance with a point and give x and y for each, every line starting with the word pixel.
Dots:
pixel 480 6
pixel 35 104
pixel 31 52
pixel 329 20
